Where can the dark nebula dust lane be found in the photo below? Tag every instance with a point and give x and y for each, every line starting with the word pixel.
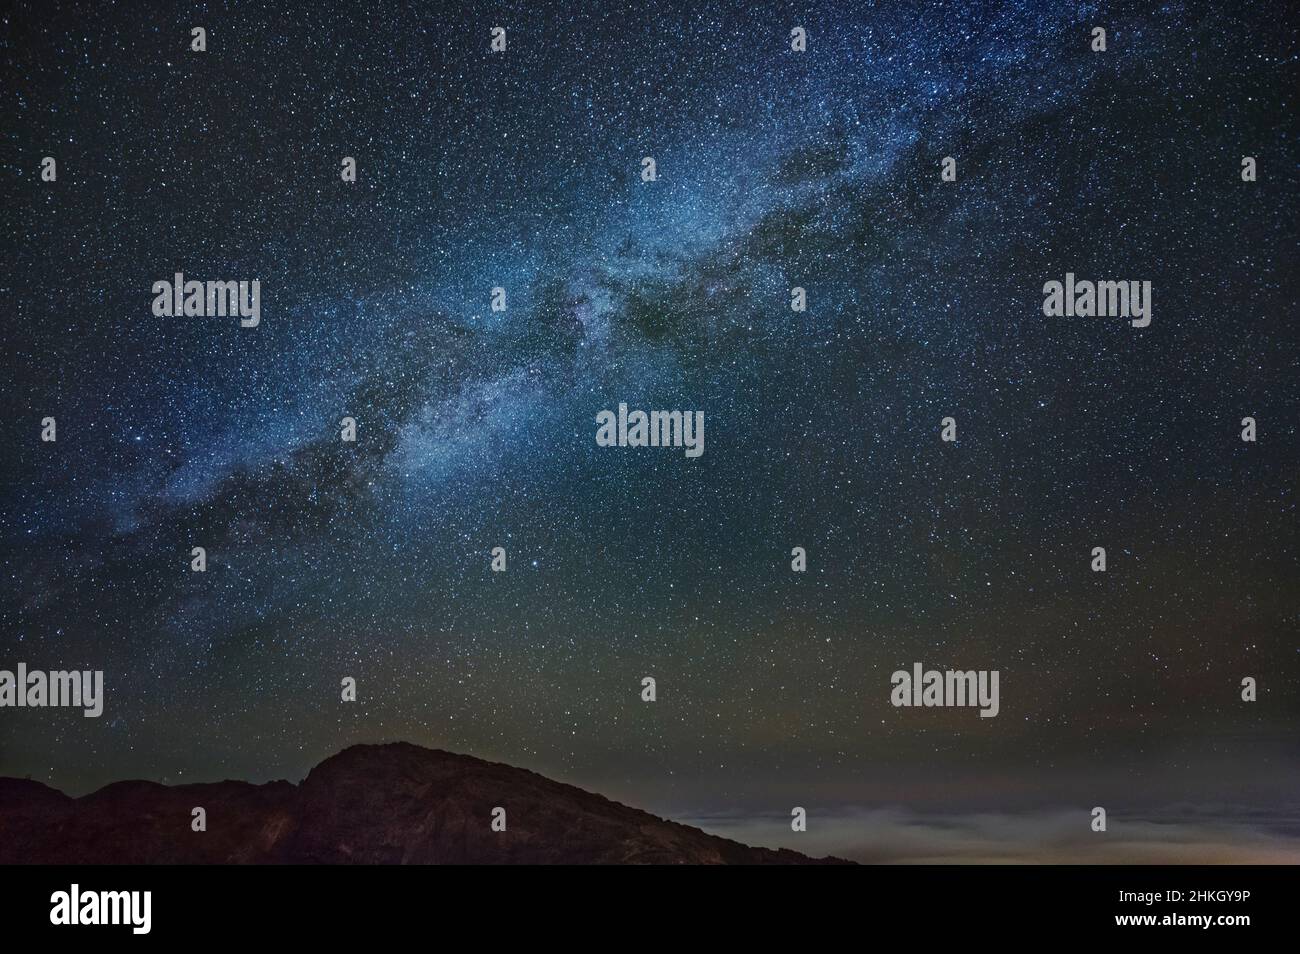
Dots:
pixel 775 169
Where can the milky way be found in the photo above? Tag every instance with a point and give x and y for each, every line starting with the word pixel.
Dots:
pixel 521 170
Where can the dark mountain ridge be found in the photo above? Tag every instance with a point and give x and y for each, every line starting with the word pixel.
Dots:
pixel 369 804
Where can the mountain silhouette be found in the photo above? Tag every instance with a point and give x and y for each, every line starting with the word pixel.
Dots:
pixel 369 804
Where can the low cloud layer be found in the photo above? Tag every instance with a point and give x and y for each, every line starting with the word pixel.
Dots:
pixel 899 836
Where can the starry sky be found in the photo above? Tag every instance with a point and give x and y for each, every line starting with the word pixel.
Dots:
pixel 476 428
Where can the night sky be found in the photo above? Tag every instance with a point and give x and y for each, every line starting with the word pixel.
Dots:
pixel 776 168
